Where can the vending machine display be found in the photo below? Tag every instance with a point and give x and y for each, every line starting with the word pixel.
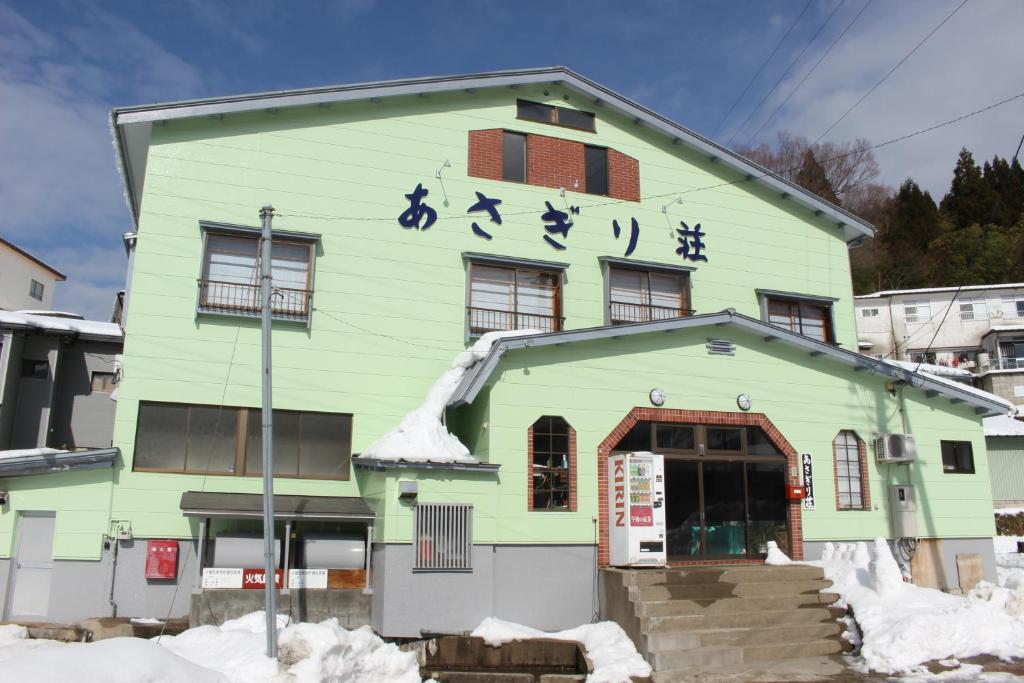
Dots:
pixel 636 509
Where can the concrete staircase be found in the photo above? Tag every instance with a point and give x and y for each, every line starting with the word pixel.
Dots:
pixel 688 621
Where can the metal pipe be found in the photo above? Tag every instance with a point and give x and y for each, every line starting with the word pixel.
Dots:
pixel 267 215
pixel 200 553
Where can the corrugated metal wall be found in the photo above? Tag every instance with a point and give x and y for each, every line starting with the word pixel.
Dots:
pixel 1006 467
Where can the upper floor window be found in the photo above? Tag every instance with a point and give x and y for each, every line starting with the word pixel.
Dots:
pixel 559 116
pixel 102 382
pixel 230 281
pixel 640 295
pixel 513 158
pixel 917 311
pixel 35 290
pixel 957 457
pixel 1013 306
pixel 595 161
pixel 202 439
pixel 974 309
pixel 869 312
pixel 812 320
pixel 552 465
pixel 35 369
pixel 513 297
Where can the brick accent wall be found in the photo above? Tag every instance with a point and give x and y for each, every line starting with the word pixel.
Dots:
pixel 485 153
pixel 572 470
pixel 623 176
pixel 552 162
pixel 865 487
pixel 707 417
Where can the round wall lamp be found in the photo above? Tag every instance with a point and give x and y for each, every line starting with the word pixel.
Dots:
pixel 743 401
pixel 657 397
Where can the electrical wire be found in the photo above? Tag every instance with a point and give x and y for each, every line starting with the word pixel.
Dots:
pixel 786 72
pixel 892 70
pixel 808 74
pixel 761 68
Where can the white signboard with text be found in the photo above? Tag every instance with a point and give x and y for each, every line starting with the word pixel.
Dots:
pixel 807 470
pixel 214 577
pixel 307 578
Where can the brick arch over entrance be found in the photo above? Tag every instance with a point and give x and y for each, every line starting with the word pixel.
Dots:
pixel 705 417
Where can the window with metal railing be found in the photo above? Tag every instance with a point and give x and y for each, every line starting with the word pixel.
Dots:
pixel 513 298
pixel 443 536
pixel 230 281
pixel 641 295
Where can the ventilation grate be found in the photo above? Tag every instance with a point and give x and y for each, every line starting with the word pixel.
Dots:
pixel 721 347
pixel 443 536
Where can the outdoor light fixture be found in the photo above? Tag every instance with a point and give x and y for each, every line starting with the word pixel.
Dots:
pixel 743 401
pixel 447 164
pixel 664 209
pixel 657 397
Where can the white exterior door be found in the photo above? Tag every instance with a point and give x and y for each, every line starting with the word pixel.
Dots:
pixel 31 567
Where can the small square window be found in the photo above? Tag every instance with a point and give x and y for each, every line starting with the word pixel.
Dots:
pixel 102 383
pixel 957 457
pixel 35 290
pixel 869 312
pixel 35 369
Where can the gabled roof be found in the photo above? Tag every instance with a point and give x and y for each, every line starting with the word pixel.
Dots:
pixel 39 262
pixel 131 126
pixel 984 403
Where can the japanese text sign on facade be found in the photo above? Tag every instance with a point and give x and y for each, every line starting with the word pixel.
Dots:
pixel 807 468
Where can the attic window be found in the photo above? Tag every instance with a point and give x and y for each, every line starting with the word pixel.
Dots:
pixel 558 116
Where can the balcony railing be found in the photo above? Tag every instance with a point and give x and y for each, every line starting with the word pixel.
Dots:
pixel 244 299
pixel 1006 363
pixel 620 313
pixel 483 320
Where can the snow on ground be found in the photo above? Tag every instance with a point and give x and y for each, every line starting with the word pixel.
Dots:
pixel 421 436
pixel 608 647
pixel 902 626
pixel 229 653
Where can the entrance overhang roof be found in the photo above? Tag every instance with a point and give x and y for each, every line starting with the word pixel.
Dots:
pixel 933 386
pixel 131 126
pixel 250 505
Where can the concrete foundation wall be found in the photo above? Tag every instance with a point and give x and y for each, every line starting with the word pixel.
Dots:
pixel 351 607
pixel 949 549
pixel 548 587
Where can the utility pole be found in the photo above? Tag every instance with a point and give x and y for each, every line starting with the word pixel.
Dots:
pixel 269 564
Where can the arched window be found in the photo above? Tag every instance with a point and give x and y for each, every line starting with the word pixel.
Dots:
pixel 552 466
pixel 851 472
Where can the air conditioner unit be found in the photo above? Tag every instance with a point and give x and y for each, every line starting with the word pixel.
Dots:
pixel 895 448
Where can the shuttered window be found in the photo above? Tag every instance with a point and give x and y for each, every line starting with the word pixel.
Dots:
pixel 443 536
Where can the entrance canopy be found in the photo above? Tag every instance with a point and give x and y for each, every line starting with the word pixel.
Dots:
pixel 250 505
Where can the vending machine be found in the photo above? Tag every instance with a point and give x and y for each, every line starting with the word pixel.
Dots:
pixel 636 510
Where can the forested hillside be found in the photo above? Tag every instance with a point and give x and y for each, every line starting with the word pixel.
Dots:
pixel 974 234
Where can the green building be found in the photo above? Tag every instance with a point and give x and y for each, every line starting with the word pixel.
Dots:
pixel 684 301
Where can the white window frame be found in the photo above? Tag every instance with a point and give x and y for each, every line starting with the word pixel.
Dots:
pixel 975 308
pixel 869 312
pixel 32 289
pixel 920 306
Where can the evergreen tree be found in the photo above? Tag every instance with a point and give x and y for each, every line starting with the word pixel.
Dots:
pixel 970 198
pixel 912 224
pixel 1006 181
pixel 812 177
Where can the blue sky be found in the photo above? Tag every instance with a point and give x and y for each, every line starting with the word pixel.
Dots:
pixel 64 64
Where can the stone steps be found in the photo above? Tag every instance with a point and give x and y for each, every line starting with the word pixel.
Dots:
pixel 687 621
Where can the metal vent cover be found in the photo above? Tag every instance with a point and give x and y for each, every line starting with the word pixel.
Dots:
pixel 721 347
pixel 443 536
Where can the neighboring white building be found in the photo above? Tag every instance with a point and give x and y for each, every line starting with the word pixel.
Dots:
pixel 26 283
pixel 982 331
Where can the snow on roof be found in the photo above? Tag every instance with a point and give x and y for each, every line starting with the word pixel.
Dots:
pixel 53 314
pixel 1003 425
pixel 20 452
pixel 864 344
pixel 421 436
pixel 946 378
pixel 935 290
pixel 944 370
pixel 60 324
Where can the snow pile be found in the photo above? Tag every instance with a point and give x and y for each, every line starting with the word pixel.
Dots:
pixel 230 653
pixel 931 368
pixel 421 436
pixel 903 626
pixel 609 649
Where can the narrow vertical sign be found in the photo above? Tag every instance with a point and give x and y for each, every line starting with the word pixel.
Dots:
pixel 807 468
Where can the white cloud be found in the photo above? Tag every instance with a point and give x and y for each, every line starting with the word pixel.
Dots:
pixel 972 61
pixel 58 182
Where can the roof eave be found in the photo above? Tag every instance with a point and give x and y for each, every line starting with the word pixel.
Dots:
pixel 853 227
pixel 27 465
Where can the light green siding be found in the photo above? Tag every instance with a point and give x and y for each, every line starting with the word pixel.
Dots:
pixel 390 312
pixel 1006 466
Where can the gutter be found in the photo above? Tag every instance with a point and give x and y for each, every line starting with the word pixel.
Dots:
pixel 25 465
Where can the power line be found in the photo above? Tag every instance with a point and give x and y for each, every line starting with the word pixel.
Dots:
pixel 808 74
pixel 892 70
pixel 786 72
pixel 761 68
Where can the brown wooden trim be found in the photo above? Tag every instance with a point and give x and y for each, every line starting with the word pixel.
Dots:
pixel 707 417
pixel 862 466
pixel 571 434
